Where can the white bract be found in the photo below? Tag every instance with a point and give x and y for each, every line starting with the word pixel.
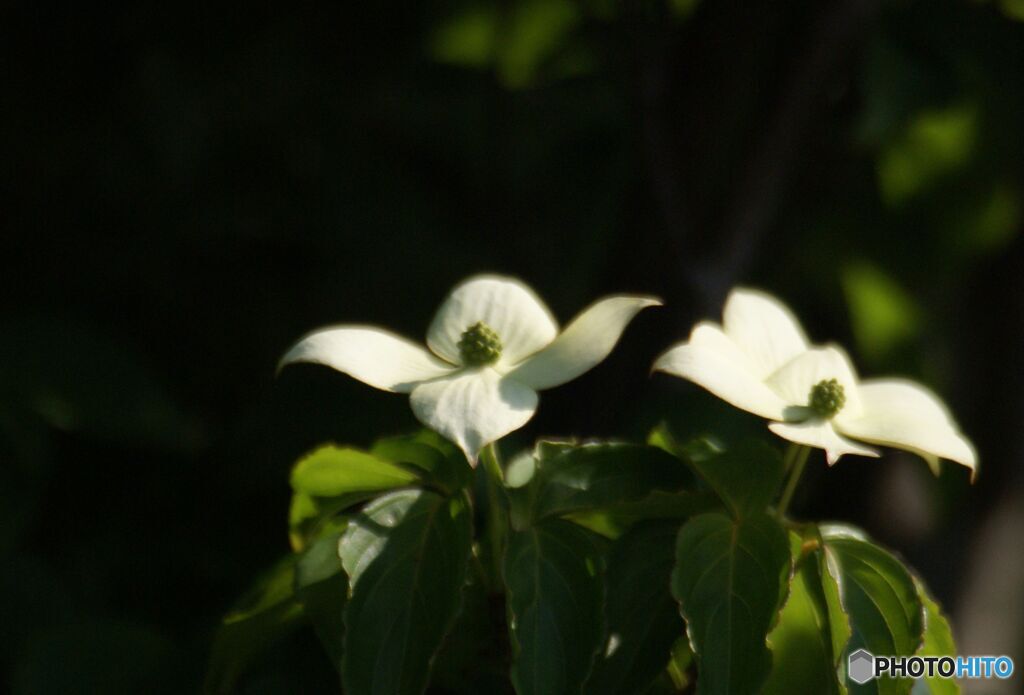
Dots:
pixel 760 360
pixel 493 345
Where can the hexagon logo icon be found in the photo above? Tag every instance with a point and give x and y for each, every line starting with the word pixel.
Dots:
pixel 861 666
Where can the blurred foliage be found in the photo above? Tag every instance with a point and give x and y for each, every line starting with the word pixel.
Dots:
pixel 187 189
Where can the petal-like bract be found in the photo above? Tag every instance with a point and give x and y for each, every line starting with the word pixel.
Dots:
pixel 764 328
pixel 710 359
pixel 511 309
pixel 820 434
pixel 583 344
pixel 374 356
pixel 906 415
pixel 473 407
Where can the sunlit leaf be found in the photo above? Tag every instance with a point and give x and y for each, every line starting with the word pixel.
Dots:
pixel 730 579
pixel 331 479
pixel 406 556
pixel 554 589
pixel 878 595
pixel 333 471
pixel 938 641
pixel 805 655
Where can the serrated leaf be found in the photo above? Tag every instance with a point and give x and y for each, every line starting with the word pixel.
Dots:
pixel 878 595
pixel 406 556
pixel 267 613
pixel 642 616
pixel 840 629
pixel 596 476
pixel 441 463
pixel 746 477
pixel 321 587
pixel 730 579
pixel 938 641
pixel 331 479
pixel 804 655
pixel 555 594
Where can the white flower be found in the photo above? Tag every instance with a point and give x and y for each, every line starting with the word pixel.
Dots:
pixel 760 360
pixel 494 345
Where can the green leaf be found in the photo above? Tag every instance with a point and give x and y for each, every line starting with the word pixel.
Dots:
pixel 554 590
pixel 444 465
pixel 333 471
pixel 730 579
pixel 938 641
pixel 804 653
pixel 643 618
pixel 303 518
pixel 596 476
pixel 878 595
pixel 331 479
pixel 615 519
pixel 406 556
pixel 746 477
pixel 321 587
pixel 268 612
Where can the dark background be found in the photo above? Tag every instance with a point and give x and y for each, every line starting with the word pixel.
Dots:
pixel 185 190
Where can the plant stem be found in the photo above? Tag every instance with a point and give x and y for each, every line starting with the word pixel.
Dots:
pixel 497 520
pixel 796 460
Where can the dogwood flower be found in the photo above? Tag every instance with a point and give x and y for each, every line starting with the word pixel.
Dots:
pixel 493 345
pixel 760 360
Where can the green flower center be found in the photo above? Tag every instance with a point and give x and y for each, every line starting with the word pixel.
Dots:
pixel 479 345
pixel 827 398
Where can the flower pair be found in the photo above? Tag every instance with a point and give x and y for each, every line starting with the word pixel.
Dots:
pixel 494 344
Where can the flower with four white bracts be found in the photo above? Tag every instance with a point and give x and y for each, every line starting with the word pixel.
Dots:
pixel 493 345
pixel 760 360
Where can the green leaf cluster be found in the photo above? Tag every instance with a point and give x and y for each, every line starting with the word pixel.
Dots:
pixel 591 568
